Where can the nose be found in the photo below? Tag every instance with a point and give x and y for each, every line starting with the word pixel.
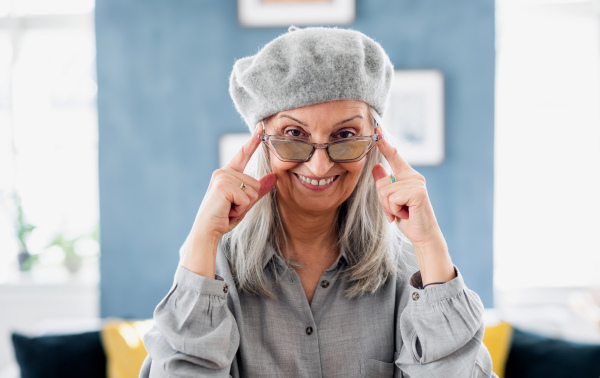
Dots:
pixel 319 164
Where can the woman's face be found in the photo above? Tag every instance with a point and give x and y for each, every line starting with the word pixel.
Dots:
pixel 320 123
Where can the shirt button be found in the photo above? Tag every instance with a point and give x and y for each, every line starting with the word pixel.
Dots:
pixel 225 289
pixel 308 330
pixel 324 283
pixel 415 296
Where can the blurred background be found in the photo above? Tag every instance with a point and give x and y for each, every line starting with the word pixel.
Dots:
pixel 111 114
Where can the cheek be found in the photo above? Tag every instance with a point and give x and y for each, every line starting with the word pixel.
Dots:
pixel 354 169
pixel 279 167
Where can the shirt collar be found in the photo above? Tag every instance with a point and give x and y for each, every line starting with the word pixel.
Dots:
pixel 271 254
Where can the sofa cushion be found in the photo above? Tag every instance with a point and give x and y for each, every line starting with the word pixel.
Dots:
pixel 61 356
pixel 124 347
pixel 534 356
pixel 497 339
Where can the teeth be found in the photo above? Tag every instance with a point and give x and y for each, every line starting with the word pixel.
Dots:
pixel 315 182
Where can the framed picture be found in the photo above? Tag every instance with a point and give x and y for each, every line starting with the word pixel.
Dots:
pixel 261 13
pixel 229 145
pixel 414 119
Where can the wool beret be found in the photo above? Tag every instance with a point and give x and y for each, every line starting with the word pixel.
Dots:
pixel 309 66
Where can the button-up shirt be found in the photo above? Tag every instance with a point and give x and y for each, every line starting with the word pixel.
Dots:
pixel 206 327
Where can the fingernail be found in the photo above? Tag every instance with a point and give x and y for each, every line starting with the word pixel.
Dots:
pixel 256 131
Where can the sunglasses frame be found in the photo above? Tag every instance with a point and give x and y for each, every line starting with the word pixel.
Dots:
pixel 373 139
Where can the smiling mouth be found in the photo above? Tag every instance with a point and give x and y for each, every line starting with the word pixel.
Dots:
pixel 321 182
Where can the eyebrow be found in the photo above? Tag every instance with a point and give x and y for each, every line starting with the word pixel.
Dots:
pixel 348 120
pixel 337 124
pixel 292 118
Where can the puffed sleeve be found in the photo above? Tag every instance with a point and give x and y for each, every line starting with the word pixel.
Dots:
pixel 194 333
pixel 442 330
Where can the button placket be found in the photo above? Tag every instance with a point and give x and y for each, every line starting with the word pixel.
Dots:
pixel 326 284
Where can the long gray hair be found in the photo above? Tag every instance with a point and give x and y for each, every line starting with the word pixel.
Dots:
pixel 375 249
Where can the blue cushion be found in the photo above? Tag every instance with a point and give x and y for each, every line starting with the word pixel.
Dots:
pixel 534 356
pixel 61 356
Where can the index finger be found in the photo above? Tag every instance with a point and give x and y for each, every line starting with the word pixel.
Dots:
pixel 241 159
pixel 391 154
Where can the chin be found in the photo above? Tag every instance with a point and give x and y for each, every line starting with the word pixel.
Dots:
pixel 322 205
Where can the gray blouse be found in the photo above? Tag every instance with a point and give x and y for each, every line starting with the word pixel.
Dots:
pixel 205 327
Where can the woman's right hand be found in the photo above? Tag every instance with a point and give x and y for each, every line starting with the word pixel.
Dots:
pixel 224 206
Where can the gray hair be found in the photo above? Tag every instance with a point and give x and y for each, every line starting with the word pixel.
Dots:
pixel 375 249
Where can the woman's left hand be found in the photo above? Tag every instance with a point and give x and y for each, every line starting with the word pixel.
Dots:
pixel 406 201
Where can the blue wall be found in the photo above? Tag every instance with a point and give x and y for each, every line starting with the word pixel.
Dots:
pixel 163 102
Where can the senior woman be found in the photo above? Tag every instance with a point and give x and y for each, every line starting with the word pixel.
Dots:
pixel 293 269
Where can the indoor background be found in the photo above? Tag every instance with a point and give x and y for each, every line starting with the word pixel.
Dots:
pixel 111 115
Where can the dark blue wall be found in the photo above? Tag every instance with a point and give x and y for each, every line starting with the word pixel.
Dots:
pixel 163 102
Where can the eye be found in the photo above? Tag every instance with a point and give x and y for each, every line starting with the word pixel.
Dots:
pixel 345 134
pixel 295 133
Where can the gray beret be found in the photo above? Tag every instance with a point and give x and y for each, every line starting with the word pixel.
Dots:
pixel 309 66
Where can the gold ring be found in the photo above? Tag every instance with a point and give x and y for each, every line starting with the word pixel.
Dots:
pixel 393 178
pixel 243 186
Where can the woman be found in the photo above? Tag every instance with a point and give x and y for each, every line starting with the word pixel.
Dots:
pixel 297 272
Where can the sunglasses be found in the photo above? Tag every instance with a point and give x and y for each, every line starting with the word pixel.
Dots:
pixel 298 150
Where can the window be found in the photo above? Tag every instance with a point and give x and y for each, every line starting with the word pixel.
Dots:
pixel 547 145
pixel 48 131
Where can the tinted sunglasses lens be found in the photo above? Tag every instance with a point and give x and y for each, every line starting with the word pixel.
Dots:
pixel 292 150
pixel 348 150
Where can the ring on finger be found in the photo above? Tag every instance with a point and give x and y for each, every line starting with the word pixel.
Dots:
pixel 243 186
pixel 393 178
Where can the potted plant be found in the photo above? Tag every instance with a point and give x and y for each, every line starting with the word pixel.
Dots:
pixel 23 229
pixel 73 261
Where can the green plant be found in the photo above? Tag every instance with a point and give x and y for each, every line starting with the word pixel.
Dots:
pixel 23 231
pixel 73 261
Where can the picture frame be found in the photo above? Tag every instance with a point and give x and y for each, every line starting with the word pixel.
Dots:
pixel 274 13
pixel 231 144
pixel 414 118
